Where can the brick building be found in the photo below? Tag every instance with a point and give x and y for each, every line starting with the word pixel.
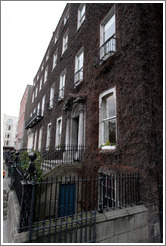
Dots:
pixel 21 140
pixel 100 86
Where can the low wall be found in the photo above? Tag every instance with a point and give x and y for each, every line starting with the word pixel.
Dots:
pixel 13 219
pixel 127 225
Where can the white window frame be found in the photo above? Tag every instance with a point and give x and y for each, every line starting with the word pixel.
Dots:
pixel 36 92
pixel 32 97
pixel 81 15
pixel 65 42
pixel 40 138
pixel 43 105
pixel 58 132
pixel 48 140
pixel 62 84
pixel 78 77
pixel 47 55
pixel 35 141
pixel 51 102
pixel 55 57
pixel 108 46
pixel 66 17
pixel 46 74
pixel 101 120
pixel 41 81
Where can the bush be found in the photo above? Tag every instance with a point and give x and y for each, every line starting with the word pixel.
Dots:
pixel 24 160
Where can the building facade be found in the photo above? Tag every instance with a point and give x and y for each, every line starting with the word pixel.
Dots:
pixel 9 132
pixel 21 140
pixel 100 85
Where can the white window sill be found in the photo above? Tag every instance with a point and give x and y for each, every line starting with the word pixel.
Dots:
pixel 108 148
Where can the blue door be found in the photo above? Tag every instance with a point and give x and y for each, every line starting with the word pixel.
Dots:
pixel 67 197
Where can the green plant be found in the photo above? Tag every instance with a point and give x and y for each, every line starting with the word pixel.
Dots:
pixel 24 159
pixel 108 143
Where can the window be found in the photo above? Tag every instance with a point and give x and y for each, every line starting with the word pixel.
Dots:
pixel 81 15
pixel 79 60
pixel 48 136
pixel 47 56
pixel 54 60
pixel 10 121
pixel 65 42
pixel 8 128
pixel 46 74
pixel 62 86
pixel 33 98
pixel 36 92
pixel 107 35
pixel 38 108
pixel 43 104
pixel 56 38
pixel 51 97
pixel 58 132
pixel 7 135
pixel 35 141
pixel 40 139
pixel 66 17
pixel 40 86
pixel 107 119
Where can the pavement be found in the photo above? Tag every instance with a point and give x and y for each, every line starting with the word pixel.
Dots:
pixel 6 182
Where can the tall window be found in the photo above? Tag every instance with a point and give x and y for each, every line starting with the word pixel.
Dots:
pixel 46 74
pixel 107 118
pixel 107 35
pixel 40 139
pixel 51 97
pixel 43 104
pixel 47 56
pixel 66 17
pixel 35 141
pixel 62 86
pixel 32 97
pixel 65 42
pixel 58 132
pixel 54 60
pixel 48 136
pixel 81 15
pixel 79 60
pixel 40 86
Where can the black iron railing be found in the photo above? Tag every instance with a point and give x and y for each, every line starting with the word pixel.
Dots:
pixel 78 77
pixel 34 119
pixel 62 154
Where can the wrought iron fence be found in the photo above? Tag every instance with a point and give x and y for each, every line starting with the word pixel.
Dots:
pixel 62 154
pixel 63 209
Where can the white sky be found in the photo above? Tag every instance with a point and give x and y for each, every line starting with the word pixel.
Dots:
pixel 26 30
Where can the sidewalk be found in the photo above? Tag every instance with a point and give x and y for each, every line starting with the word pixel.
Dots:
pixel 6 182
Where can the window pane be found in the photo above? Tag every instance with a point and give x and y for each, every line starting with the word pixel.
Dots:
pixel 109 106
pixel 109 28
pixel 110 131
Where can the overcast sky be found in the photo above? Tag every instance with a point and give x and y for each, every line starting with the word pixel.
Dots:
pixel 26 30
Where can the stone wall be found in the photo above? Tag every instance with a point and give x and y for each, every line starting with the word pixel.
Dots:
pixel 127 225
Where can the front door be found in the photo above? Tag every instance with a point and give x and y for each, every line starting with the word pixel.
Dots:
pixel 67 198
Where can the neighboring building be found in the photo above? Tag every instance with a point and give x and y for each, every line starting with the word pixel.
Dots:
pixel 9 132
pixel 101 82
pixel 21 140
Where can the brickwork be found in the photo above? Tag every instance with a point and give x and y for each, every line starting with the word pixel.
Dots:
pixel 135 70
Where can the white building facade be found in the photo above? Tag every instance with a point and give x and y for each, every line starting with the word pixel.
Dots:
pixel 9 131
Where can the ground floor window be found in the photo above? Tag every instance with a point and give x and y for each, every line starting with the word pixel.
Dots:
pixel 58 132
